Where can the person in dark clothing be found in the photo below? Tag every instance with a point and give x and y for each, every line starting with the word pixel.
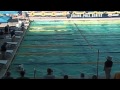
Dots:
pixel 22 26
pixel 7 29
pixel 94 77
pixel 65 76
pixel 13 35
pixel 7 76
pixel 82 75
pixel 49 74
pixel 107 67
pixel 22 75
pixel 3 50
pixel 1 32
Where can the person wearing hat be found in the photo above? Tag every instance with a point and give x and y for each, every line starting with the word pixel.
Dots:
pixel 107 67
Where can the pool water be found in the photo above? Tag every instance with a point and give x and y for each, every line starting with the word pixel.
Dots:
pixel 68 48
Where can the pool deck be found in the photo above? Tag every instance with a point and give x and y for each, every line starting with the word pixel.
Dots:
pixel 11 57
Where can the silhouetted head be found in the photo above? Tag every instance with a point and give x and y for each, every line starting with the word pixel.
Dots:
pixel 82 75
pixel 94 77
pixel 49 71
pixel 65 76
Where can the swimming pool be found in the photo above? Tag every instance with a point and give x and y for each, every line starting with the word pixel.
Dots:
pixel 68 47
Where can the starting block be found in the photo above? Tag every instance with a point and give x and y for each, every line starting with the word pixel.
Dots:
pixel 9 51
pixel 18 31
pixel 8 37
pixel 13 43
pixel 3 62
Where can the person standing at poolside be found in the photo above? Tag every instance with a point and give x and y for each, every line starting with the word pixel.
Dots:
pixel 107 67
pixel 13 35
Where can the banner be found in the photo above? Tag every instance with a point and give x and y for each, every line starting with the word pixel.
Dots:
pixel 94 15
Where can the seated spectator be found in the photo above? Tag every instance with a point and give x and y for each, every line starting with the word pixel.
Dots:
pixel 94 77
pixel 49 74
pixel 82 76
pixel 65 76
pixel 22 75
pixel 3 50
pixel 108 67
pixel 7 76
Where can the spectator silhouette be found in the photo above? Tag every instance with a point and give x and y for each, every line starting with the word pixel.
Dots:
pixel 3 50
pixel 82 76
pixel 94 77
pixel 22 26
pixel 20 68
pixel 13 35
pixel 22 75
pixel 7 76
pixel 107 67
pixel 49 74
pixel 65 76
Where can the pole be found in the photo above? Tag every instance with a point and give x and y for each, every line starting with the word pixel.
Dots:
pixel 97 62
pixel 34 73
